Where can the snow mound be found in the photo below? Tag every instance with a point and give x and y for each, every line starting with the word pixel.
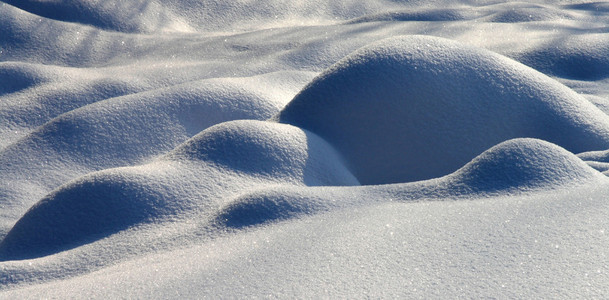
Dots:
pixel 241 154
pixel 599 160
pixel 81 212
pixel 593 7
pixel 160 119
pixel 598 156
pixel 515 166
pixel 429 15
pixel 270 205
pixel 268 149
pixel 419 107
pixel 523 164
pixel 523 12
pixel 131 16
pixel 572 57
pixel 18 76
pixel 122 131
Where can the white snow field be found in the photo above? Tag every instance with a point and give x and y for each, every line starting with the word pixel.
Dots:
pixel 304 149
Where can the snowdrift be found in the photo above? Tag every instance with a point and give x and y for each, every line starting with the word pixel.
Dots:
pixel 226 157
pixel 514 166
pixel 386 114
pixel 122 131
pixel 416 107
pixel 327 149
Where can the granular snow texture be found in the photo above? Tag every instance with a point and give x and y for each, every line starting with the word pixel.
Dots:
pixel 319 149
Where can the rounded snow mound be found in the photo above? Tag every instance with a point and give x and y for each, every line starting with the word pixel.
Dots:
pixel 19 76
pixel 514 166
pixel 268 149
pixel 84 211
pixel 524 12
pixel 243 153
pixel 125 16
pixel 523 164
pixel 121 131
pixel 418 107
pixel 270 205
pixel 573 57
pixel 424 15
pixel 598 156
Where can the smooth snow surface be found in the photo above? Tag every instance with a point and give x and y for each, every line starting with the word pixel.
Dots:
pixel 320 149
pixel 414 108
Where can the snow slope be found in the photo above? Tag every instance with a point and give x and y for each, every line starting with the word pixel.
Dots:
pixel 333 149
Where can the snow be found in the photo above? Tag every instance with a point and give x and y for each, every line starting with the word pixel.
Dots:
pixel 320 149
pixel 417 107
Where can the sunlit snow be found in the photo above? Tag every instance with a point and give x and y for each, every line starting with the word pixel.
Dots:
pixel 304 149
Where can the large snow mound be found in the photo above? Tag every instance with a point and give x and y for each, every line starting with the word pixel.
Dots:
pixel 418 107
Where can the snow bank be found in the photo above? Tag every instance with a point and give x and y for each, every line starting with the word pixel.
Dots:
pixel 419 107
